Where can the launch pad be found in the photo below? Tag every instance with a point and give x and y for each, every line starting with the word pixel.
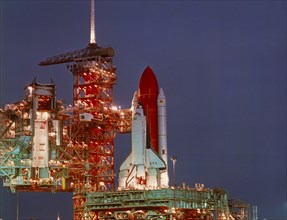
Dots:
pixel 46 146
pixel 166 203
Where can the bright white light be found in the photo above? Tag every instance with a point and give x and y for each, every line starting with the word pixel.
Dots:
pixel 45 115
pixel 30 89
pixel 114 108
pixel 52 134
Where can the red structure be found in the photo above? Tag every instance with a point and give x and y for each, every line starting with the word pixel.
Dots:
pixel 92 123
pixel 148 93
pixel 93 96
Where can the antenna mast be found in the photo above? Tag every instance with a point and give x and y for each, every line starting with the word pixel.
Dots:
pixel 93 31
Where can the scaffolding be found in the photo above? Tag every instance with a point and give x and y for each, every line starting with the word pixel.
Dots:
pixel 238 209
pixel 45 146
pixel 94 121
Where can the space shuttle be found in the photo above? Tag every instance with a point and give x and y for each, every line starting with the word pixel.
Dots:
pixel 146 166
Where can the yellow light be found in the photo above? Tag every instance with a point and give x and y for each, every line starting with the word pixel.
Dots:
pixel 63 183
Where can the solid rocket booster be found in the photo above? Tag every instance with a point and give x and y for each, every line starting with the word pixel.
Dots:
pixel 146 166
pixel 162 135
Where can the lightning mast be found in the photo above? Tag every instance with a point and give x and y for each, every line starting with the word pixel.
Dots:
pixel 92 30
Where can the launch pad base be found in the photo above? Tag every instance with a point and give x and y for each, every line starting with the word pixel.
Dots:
pixel 166 203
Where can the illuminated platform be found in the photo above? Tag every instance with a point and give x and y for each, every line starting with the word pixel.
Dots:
pixel 166 203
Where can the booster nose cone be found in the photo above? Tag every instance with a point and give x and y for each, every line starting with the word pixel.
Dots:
pixel 148 93
pixel 161 98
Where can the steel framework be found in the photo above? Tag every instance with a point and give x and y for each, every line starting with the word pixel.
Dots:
pixel 78 154
pixel 95 120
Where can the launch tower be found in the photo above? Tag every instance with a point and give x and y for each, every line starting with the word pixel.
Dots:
pixel 94 120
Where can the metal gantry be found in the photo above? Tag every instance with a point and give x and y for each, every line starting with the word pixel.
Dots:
pixel 45 146
pixel 95 120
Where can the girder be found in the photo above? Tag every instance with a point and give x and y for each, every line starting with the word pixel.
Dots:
pixel 165 203
pixel 89 52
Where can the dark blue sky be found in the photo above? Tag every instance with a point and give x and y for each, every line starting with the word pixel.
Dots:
pixel 222 65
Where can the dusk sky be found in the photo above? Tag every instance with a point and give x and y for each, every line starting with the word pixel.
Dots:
pixel 222 65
